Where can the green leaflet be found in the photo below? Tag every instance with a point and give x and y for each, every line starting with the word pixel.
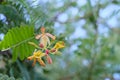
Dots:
pixel 17 39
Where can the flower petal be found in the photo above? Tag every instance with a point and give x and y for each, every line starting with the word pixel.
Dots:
pixel 38 36
pixel 38 54
pixel 44 40
pixel 34 62
pixel 41 62
pixel 51 36
pixel 58 45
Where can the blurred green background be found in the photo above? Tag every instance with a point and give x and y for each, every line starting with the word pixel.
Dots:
pixel 90 29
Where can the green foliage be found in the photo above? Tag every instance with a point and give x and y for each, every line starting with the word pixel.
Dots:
pixel 13 12
pixel 94 56
pixel 9 11
pixel 17 39
pixel 6 77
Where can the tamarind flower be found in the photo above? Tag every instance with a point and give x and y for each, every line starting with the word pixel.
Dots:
pixel 44 48
pixel 44 37
pixel 57 46
pixel 37 56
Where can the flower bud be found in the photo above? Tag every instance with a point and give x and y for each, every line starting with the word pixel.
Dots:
pixel 49 60
pixel 41 45
pixel 53 50
pixel 47 51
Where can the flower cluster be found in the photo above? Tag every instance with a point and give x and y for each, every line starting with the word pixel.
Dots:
pixel 43 49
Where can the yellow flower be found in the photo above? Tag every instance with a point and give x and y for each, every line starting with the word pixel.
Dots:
pixel 37 55
pixel 44 37
pixel 57 46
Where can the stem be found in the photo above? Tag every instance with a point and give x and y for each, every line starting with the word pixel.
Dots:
pixel 19 43
pixel 94 47
pixel 90 73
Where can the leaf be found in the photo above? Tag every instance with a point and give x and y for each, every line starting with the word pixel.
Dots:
pixel 17 40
